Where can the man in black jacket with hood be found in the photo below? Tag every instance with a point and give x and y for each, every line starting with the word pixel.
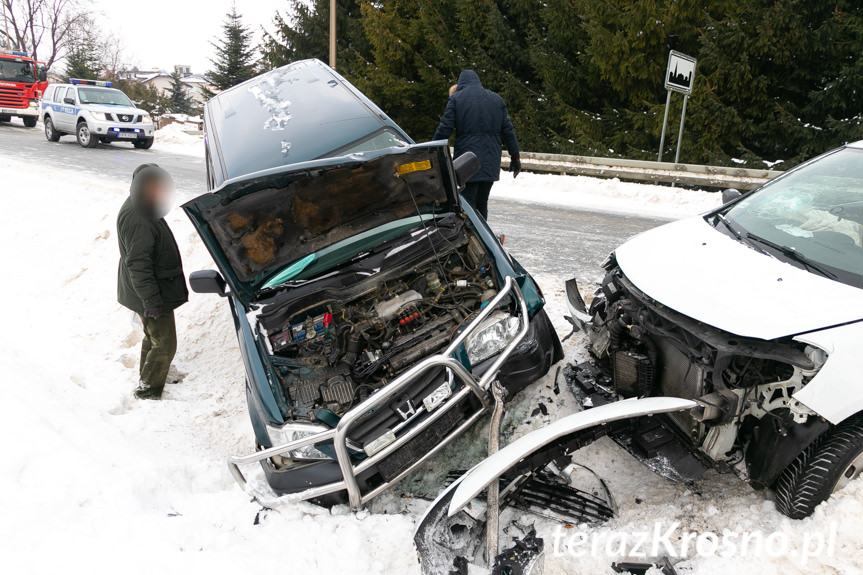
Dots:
pixel 480 119
pixel 150 279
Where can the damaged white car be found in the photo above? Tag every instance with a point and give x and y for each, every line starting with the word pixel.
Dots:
pixel 754 311
pixel 725 341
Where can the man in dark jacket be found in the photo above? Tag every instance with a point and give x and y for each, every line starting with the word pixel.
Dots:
pixel 480 119
pixel 150 280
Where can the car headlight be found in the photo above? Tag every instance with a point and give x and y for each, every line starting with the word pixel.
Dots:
pixel 146 119
pixel 99 116
pixel 491 337
pixel 293 432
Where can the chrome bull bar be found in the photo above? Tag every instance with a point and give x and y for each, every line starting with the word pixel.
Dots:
pixel 480 387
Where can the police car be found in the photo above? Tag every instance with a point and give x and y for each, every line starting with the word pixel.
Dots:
pixel 94 112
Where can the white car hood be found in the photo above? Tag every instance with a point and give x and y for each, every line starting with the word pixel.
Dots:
pixel 705 274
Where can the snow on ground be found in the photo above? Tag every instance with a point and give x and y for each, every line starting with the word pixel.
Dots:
pixel 607 195
pixel 174 139
pixel 94 479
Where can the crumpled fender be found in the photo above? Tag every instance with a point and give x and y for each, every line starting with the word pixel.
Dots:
pixel 490 469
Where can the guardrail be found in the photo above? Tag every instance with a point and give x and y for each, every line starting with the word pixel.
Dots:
pixel 645 171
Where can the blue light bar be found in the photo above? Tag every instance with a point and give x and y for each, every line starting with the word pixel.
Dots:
pixel 102 83
pixel 19 53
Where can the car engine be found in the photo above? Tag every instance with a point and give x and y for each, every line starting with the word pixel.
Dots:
pixel 647 349
pixel 331 353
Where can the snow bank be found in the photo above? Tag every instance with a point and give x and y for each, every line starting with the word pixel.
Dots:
pixel 95 480
pixel 174 139
pixel 608 195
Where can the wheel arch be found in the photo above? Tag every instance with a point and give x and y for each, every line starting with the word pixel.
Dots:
pixel 775 444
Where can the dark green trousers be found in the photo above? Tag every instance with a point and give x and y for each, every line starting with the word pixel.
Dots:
pixel 157 349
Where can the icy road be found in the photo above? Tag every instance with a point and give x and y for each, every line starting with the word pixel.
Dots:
pixel 93 481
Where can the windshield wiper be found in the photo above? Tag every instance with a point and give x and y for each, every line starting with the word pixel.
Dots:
pixel 727 223
pixel 794 255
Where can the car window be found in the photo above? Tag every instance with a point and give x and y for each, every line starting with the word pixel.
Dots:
pixel 59 91
pixel 816 211
pixel 103 96
pixel 379 140
pixel 49 93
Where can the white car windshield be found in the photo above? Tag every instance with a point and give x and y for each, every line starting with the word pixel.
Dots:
pixel 103 96
pixel 812 217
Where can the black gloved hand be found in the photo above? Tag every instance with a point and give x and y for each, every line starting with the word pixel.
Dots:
pixel 515 166
pixel 154 312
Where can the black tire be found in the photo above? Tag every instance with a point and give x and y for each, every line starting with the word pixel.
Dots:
pixel 143 144
pixel 822 469
pixel 30 122
pixel 51 133
pixel 86 138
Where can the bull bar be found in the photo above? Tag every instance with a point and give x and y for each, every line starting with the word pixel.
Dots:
pixel 479 386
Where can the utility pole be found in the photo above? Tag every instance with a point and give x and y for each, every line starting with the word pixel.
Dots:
pixel 333 34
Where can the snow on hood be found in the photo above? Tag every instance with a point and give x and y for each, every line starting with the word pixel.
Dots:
pixel 704 274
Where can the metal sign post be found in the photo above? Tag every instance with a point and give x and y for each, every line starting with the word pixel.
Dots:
pixel 333 34
pixel 679 77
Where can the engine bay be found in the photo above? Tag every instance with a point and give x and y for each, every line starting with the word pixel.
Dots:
pixel 333 348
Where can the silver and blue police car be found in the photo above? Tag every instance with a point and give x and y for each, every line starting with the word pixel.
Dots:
pixel 94 112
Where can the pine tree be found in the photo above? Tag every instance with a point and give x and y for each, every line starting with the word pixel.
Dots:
pixel 179 100
pixel 303 32
pixel 776 79
pixel 235 57
pixel 83 59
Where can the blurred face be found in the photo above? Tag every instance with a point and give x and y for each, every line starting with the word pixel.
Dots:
pixel 453 89
pixel 159 194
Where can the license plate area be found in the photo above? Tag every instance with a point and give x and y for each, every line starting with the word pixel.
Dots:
pixel 127 136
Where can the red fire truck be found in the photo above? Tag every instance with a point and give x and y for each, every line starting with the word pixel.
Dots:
pixel 22 80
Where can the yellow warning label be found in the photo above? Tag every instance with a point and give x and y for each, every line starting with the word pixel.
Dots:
pixel 414 167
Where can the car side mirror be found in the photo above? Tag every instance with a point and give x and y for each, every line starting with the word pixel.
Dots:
pixel 70 101
pixel 465 166
pixel 207 281
pixel 730 194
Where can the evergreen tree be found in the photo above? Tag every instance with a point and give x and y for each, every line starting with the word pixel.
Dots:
pixel 179 101
pixel 304 32
pixel 776 79
pixel 83 59
pixel 235 57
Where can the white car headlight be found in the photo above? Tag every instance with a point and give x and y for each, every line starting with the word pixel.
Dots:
pixel 99 116
pixel 146 119
pixel 492 336
pixel 292 432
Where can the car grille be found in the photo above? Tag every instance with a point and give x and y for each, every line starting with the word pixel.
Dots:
pixel 126 117
pixel 12 97
pixel 413 450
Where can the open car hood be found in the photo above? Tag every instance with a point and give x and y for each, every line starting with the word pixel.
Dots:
pixel 700 272
pixel 257 225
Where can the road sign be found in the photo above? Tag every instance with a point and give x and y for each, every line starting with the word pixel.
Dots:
pixel 680 73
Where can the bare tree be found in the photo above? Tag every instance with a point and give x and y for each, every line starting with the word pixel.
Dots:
pixel 42 27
